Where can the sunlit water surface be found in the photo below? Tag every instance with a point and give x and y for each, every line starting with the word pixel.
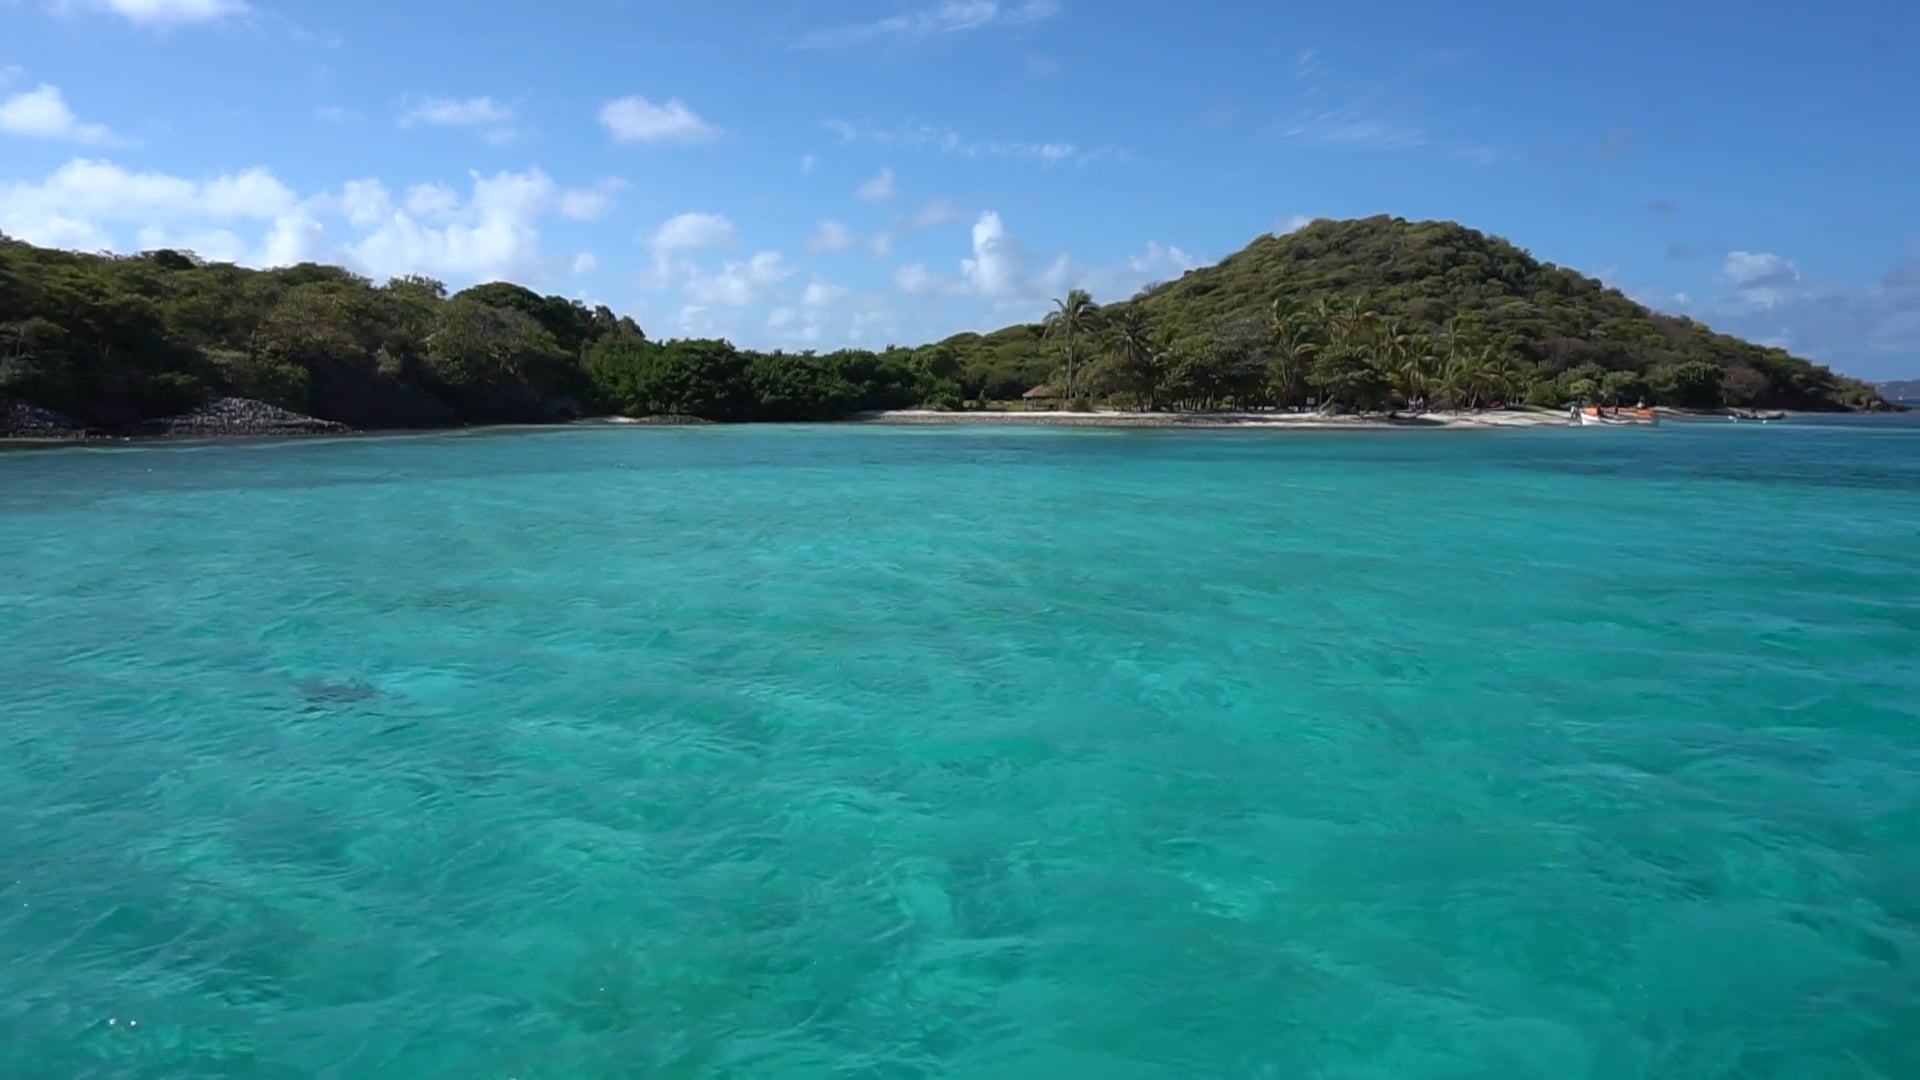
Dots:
pixel 965 753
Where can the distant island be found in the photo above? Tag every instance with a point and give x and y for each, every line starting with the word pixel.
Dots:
pixel 1339 316
pixel 1902 390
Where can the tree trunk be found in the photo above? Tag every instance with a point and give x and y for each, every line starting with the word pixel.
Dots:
pixel 1069 367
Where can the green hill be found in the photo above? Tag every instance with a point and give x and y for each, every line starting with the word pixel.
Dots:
pixel 1377 288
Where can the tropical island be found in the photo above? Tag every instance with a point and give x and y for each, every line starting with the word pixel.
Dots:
pixel 1360 316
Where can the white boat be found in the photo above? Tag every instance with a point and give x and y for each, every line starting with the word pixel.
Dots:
pixel 1593 417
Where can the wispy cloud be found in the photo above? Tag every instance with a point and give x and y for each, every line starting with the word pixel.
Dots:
pixel 948 141
pixel 879 189
pixel 1485 155
pixel 1352 125
pixel 166 12
pixel 948 17
pixel 494 119
pixel 1330 114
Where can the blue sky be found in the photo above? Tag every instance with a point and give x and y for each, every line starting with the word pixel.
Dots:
pixel 825 172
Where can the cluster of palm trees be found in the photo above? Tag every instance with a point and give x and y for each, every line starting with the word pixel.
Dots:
pixel 1331 353
pixel 1351 354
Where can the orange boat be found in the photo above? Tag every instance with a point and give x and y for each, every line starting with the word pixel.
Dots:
pixel 1594 416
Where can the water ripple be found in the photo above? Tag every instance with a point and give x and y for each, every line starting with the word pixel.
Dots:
pixel 964 753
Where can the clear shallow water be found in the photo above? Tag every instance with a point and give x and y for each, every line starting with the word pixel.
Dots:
pixel 977 753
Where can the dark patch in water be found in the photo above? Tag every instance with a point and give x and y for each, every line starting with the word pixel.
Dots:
pixel 322 692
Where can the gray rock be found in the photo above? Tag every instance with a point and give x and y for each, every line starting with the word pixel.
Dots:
pixel 24 421
pixel 244 416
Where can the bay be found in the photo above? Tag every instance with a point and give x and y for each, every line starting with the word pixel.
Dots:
pixel 880 752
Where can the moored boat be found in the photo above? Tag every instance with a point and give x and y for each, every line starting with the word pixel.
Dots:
pixel 1594 416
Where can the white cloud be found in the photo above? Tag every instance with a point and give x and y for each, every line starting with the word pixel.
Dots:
pixel 250 217
pixel 433 202
pixel 999 263
pixel 881 244
pixel 480 112
pixel 915 279
pixel 947 17
pixel 86 197
pixel 1763 268
pixel 698 321
pixel 448 112
pixel 823 293
pixel 1351 125
pixel 693 232
pixel 948 141
pixel 879 188
pixel 1761 278
pixel 168 12
pixel 1004 272
pixel 936 212
pixel 42 113
pixel 585 263
pixel 366 203
pixel 830 236
pixel 635 119
pixel 295 238
pixel 739 283
pixel 807 164
pixel 586 204
pixel 491 235
pixel 1287 226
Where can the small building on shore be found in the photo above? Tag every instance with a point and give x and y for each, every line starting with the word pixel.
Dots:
pixel 1041 396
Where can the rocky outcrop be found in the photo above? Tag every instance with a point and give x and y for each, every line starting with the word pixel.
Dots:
pixel 23 421
pixel 242 416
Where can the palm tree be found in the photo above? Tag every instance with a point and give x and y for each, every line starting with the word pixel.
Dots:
pixel 1072 316
pixel 1136 354
pixel 1290 332
pixel 1501 374
pixel 1402 354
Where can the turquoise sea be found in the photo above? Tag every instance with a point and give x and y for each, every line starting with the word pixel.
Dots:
pixel 857 752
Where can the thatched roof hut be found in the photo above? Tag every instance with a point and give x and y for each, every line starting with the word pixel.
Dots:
pixel 1043 392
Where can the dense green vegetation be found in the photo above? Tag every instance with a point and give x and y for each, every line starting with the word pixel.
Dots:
pixel 1380 311
pixel 112 341
pixel 1372 313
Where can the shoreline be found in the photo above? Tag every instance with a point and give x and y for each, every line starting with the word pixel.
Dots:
pixel 1519 418
pixel 1239 421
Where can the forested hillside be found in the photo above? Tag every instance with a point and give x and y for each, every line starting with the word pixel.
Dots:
pixel 111 341
pixel 1382 308
pixel 1370 313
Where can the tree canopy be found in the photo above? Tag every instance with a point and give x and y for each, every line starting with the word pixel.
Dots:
pixel 1318 307
pixel 1368 313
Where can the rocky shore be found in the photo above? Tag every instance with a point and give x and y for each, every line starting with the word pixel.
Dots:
pixel 33 422
pixel 241 416
pixel 223 418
